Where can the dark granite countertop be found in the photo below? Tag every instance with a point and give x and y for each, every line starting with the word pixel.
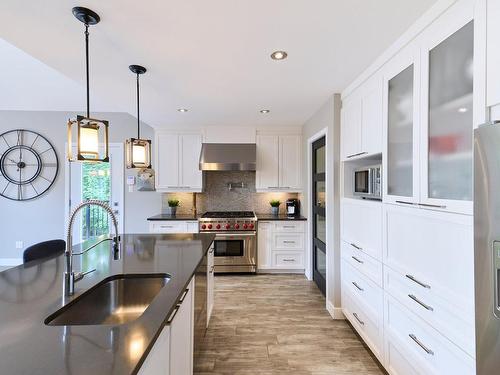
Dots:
pixel 271 217
pixel 162 217
pixel 30 293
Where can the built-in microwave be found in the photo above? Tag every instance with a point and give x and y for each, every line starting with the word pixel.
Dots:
pixel 368 182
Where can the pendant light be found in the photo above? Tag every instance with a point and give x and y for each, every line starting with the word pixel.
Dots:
pixel 90 133
pixel 138 151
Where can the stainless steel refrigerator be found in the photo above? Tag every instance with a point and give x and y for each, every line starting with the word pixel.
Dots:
pixel 487 247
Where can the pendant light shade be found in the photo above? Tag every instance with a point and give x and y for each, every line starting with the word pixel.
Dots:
pixel 91 135
pixel 138 151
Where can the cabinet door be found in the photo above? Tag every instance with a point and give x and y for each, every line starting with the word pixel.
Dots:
pixel 190 174
pixel 350 131
pixel 267 175
pixel 157 361
pixel 181 336
pixel 446 138
pixel 290 162
pixel 264 244
pixel 401 128
pixel 371 115
pixel 167 161
pixel 493 53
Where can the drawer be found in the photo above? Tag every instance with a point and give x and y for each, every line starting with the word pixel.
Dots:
pixel 288 259
pixel 170 226
pixel 368 266
pixel 368 326
pixel 289 226
pixel 288 241
pixel 435 248
pixel 451 321
pixel 420 345
pixel 361 225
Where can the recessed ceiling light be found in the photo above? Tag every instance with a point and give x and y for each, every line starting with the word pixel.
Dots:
pixel 183 110
pixel 462 110
pixel 279 55
pixel 265 110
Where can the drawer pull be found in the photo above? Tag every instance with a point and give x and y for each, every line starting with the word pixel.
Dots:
pixel 431 205
pixel 358 154
pixel 357 260
pixel 167 226
pixel 289 226
pixel 357 318
pixel 357 286
pixel 356 246
pixel 424 305
pixel 288 241
pixel 412 278
pixel 184 296
pixel 288 260
pixel 174 313
pixel 419 343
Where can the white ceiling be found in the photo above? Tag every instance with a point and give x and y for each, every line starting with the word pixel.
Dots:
pixel 209 56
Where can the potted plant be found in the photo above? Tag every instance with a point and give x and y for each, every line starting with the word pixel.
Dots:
pixel 275 206
pixel 172 205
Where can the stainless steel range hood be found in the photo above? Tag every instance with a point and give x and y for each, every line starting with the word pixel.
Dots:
pixel 228 157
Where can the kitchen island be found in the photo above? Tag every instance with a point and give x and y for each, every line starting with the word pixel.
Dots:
pixel 30 293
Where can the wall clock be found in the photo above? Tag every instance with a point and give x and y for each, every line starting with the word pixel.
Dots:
pixel 28 165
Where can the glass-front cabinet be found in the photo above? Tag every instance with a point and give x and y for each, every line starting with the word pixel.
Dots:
pixel 428 117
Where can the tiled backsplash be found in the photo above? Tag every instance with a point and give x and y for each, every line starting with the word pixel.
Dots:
pixel 218 197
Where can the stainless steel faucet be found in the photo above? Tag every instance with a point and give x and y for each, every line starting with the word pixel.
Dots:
pixel 70 277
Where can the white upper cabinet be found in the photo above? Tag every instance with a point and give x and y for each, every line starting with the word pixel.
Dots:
pixel 361 125
pixel 493 52
pixel 279 163
pixel 177 162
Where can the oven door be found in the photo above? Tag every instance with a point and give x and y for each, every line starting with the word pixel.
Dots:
pixel 235 249
pixel 363 182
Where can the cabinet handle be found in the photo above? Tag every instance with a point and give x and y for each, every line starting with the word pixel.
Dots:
pixel 404 202
pixel 357 286
pixel 183 296
pixel 289 226
pixel 166 226
pixel 358 154
pixel 273 187
pixel 174 313
pixel 288 260
pixel 212 269
pixel 431 205
pixel 285 187
pixel 357 318
pixel 412 278
pixel 424 305
pixel 419 343
pixel 288 241
pixel 357 260
pixel 356 246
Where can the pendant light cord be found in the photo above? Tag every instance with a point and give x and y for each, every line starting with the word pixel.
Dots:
pixel 87 67
pixel 138 118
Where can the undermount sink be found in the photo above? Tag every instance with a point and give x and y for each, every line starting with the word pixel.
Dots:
pixel 116 300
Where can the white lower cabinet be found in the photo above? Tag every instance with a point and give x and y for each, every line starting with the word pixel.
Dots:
pixel 414 347
pixel 172 353
pixel 281 245
pixel 173 226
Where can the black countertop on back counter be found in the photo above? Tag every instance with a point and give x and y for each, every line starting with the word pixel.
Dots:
pixel 168 217
pixel 271 217
pixel 30 293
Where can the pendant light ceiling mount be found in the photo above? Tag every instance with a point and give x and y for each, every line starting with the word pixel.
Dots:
pixel 137 69
pixel 86 16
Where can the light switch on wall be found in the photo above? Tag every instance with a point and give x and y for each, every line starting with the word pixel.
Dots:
pixel 19 244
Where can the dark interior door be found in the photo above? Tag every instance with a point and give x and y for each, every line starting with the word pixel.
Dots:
pixel 319 213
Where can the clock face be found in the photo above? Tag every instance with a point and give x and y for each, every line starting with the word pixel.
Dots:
pixel 28 165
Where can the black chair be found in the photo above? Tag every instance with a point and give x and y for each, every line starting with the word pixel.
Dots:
pixel 46 249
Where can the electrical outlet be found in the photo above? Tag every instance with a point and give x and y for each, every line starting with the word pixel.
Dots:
pixel 19 244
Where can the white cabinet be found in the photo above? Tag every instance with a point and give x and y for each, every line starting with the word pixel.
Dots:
pixel 157 361
pixel 177 162
pixel 173 226
pixel 279 163
pixel 210 283
pixel 281 246
pixel 493 53
pixel 361 123
pixel 182 334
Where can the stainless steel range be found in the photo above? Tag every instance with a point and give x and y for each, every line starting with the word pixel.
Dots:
pixel 235 239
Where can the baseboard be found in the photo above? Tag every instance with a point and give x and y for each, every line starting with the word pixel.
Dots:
pixel 335 312
pixel 10 262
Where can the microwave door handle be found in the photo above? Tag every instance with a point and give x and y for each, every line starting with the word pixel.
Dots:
pixel 370 181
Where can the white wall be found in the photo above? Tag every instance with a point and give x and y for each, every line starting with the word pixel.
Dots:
pixel 43 218
pixel 327 117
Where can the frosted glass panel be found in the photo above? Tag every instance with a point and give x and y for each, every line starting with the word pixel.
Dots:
pixel 450 116
pixel 400 134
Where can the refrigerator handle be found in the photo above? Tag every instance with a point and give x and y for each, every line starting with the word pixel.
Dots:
pixel 496 278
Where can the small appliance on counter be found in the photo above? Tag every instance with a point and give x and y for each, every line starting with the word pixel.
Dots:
pixel 293 207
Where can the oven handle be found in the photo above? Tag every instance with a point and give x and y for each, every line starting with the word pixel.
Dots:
pixel 222 235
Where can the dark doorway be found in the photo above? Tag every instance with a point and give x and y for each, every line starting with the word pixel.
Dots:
pixel 319 213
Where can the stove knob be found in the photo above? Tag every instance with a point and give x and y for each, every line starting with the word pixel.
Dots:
pixel 245 226
pixel 236 226
pixel 218 226
pixel 228 226
pixel 209 226
pixel 203 226
pixel 250 226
